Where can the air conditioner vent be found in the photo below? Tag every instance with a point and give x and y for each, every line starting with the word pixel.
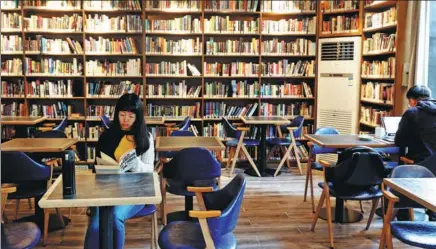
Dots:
pixel 337 51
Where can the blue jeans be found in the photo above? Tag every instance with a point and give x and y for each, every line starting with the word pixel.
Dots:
pixel 121 214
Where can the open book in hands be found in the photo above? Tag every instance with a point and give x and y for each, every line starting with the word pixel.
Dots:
pixel 128 160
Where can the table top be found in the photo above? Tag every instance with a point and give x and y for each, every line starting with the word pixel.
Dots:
pixel 179 143
pixel 420 190
pixel 273 120
pixel 105 190
pixel 21 120
pixel 38 144
pixel 346 141
pixel 154 120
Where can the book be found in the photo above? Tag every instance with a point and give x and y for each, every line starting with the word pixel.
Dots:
pixel 128 160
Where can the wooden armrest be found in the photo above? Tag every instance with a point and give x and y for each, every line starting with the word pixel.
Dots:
pixel 310 144
pixel 44 129
pixel 407 160
pixel 325 163
pixel 8 188
pixel 292 128
pixel 200 189
pixel 169 124
pixel 390 196
pixel 242 128
pixel 49 124
pixel 204 214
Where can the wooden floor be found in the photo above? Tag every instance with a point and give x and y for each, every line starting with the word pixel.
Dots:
pixel 273 215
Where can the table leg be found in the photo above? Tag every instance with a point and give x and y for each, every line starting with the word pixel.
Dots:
pixel 106 227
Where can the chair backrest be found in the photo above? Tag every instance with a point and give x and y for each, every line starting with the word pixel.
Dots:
pixel 62 125
pixel 51 134
pixel 106 122
pixel 228 200
pixel 296 122
pixel 324 131
pixel 18 167
pixel 184 126
pixel 180 133
pixel 192 164
pixel 411 171
pixel 430 163
pixel 357 167
pixel 229 129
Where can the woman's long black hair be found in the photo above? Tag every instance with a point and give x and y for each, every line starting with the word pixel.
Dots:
pixel 132 103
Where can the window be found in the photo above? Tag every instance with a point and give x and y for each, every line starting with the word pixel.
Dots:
pixel 426 54
pixel 431 68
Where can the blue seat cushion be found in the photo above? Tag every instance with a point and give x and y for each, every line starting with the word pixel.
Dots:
pixel 316 166
pixel 29 190
pixel 247 142
pixel 145 211
pixel 354 193
pixel 390 165
pixel 176 187
pixel 415 233
pixel 20 235
pixel 188 235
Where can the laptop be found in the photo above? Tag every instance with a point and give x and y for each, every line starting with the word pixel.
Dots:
pixel 391 126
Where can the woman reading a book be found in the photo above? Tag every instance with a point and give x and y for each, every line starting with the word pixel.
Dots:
pixel 127 133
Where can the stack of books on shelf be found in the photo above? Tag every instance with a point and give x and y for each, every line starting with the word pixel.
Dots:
pixel 286 68
pixel 241 89
pixel 186 24
pixel 373 116
pixel 379 69
pixel 49 89
pixel 377 92
pixel 10 21
pixel 112 5
pixel 173 90
pixel 162 45
pixel 340 24
pixel 50 66
pixel 381 19
pixel 103 46
pixel 292 6
pixel 231 69
pixel 12 89
pixel 297 47
pixel 11 44
pixel 232 47
pixel 225 5
pixel 153 110
pixel 379 43
pixel 47 46
pixel 64 23
pixel 290 26
pixel 167 68
pixel 169 5
pixel 53 5
pixel 58 110
pixel 287 110
pixel 96 111
pixel 104 24
pixel 106 89
pixel 13 109
pixel 331 6
pixel 75 130
pixel 213 130
pixel 286 90
pixel 9 4
pixel 221 109
pixel 225 25
pixel 12 67
pixel 131 67
pixel 94 133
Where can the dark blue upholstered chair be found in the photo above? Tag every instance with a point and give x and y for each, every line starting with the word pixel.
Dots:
pixel 314 165
pixel 357 176
pixel 430 163
pixel 189 167
pixel 61 126
pixel 415 233
pixel 389 165
pixel 52 157
pixel 106 122
pixel 294 129
pixel 18 235
pixel 182 126
pixel 146 211
pixel 220 218
pixel 236 141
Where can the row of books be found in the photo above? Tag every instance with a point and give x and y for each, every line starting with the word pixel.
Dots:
pixel 293 6
pixel 240 89
pixel 283 26
pixel 76 130
pixel 381 19
pixel 286 90
pixel 12 89
pixel 96 111
pixel 131 67
pixel 231 69
pixel 102 45
pixel 379 42
pixel 373 116
pixel 63 23
pixel 13 43
pixel 227 24
pixel 171 68
pixel 337 5
pixel 106 89
pixel 103 23
pixel 287 68
pixel 13 109
pixel 50 66
pixel 340 24
pixel 112 5
pixel 173 5
pixel 300 46
pixel 234 5
pixel 173 89
pixel 58 110
pixel 9 4
pixel 154 110
pixel 220 109
pixel 376 91
pixel 12 67
pixel 46 88
pixel 299 108
pixel 186 24
pixel 382 69
pixel 10 21
pixel 162 45
pixel 232 47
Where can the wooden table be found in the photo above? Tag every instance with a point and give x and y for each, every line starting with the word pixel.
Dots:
pixel 421 190
pixel 179 143
pixel 38 144
pixel 263 122
pixel 154 120
pixel 106 191
pixel 21 120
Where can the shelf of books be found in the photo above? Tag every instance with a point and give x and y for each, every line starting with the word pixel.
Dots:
pixel 339 18
pixel 379 65
pixel 204 59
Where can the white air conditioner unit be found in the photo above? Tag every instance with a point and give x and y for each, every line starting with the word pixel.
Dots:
pixel 339 62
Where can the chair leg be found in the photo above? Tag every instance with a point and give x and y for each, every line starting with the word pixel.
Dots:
pixel 235 157
pixel 371 214
pixel 329 217
pixel 17 207
pixel 61 219
pixel 285 156
pixel 306 184
pixel 318 209
pixel 250 160
pixel 164 202
pixel 70 213
pixel 229 159
pixel 311 190
pixel 45 232
pixel 283 150
pixel 30 203
pixel 411 214
pixel 156 231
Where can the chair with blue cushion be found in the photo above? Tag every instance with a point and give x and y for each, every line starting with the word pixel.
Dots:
pixel 106 122
pixel 218 216
pixel 236 139
pixel 17 235
pixel 294 129
pixel 389 165
pixel 420 234
pixel 430 163
pixel 182 126
pixel 314 165
pixel 62 125
pixel 189 167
